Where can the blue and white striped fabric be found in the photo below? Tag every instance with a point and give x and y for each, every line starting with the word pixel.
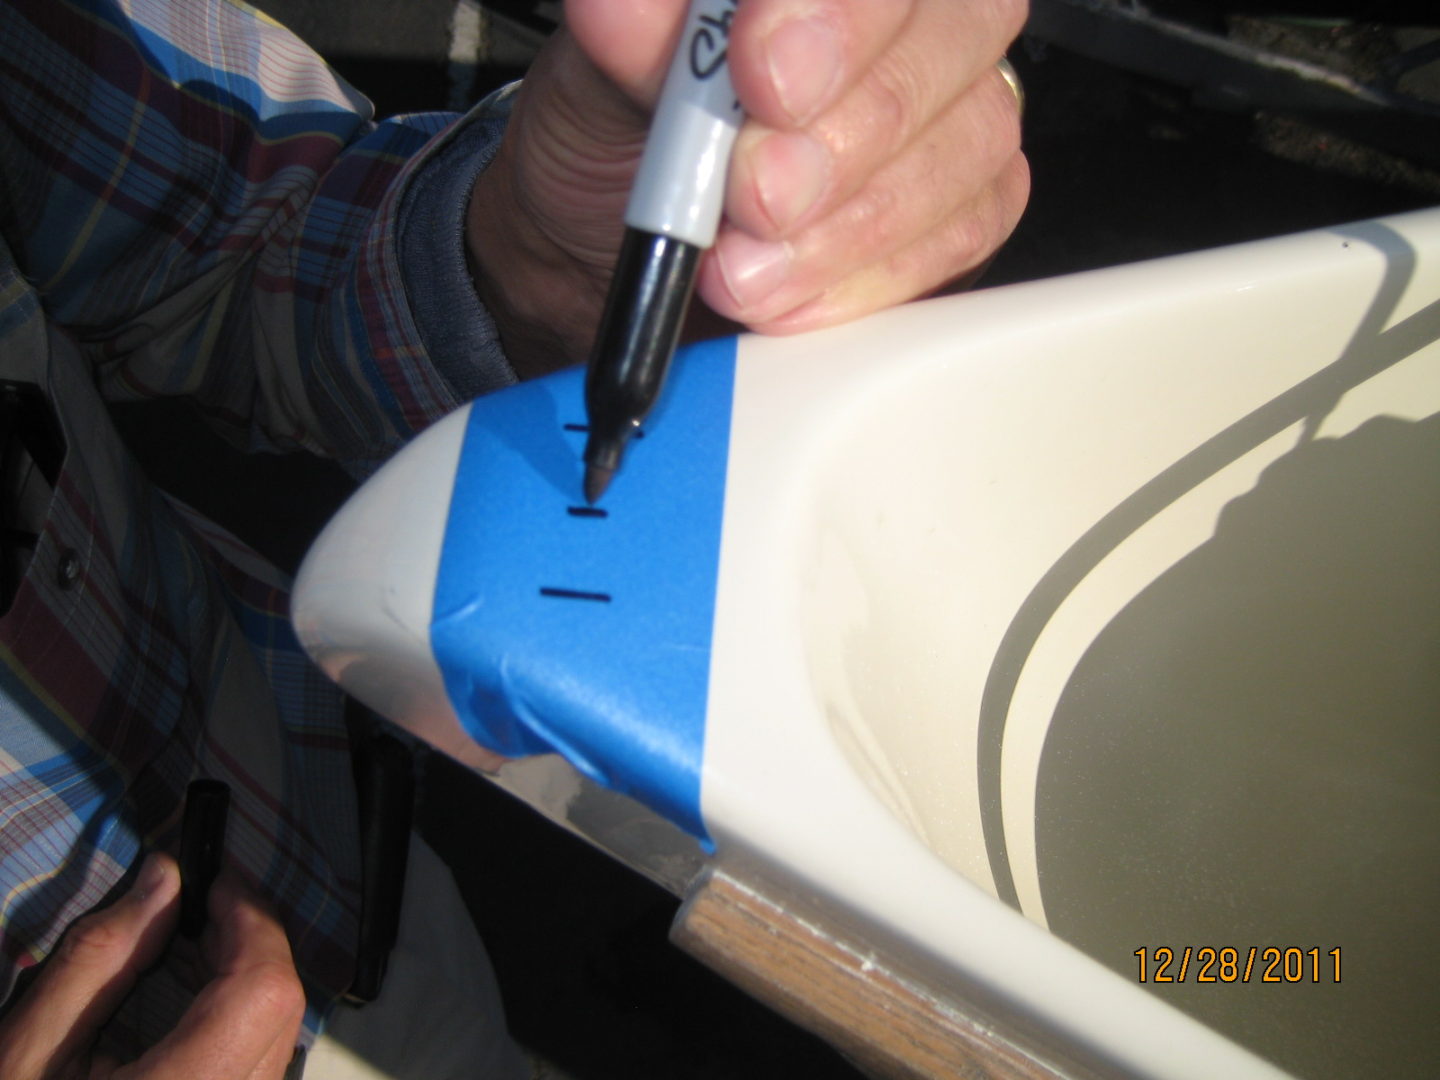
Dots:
pixel 191 204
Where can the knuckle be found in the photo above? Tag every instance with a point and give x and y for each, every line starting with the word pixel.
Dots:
pixel 275 989
pixel 978 229
pixel 1016 189
pixel 1009 197
pixel 873 219
pixel 248 919
pixel 896 91
pixel 93 940
pixel 972 235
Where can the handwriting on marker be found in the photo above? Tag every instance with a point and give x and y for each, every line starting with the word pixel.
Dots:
pixel 708 44
pixel 574 594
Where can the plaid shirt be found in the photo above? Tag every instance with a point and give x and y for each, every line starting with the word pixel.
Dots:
pixel 191 203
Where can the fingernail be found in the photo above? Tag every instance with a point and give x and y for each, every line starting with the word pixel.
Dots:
pixel 804 60
pixel 751 269
pixel 790 173
pixel 151 877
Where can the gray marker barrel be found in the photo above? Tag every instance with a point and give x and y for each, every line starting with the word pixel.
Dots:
pixel 680 187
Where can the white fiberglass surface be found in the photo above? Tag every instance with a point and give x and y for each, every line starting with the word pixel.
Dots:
pixel 1134 620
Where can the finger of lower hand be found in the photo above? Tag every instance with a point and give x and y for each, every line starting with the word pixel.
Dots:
pixel 936 197
pixel 784 174
pixel 89 973
pixel 246 1020
pixel 276 1062
pixel 241 1025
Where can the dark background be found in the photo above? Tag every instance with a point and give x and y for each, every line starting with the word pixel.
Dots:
pixel 1125 167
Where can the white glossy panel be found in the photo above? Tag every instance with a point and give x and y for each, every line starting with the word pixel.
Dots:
pixel 953 515
pixel 962 496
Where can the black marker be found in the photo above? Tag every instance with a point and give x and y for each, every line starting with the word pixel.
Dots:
pixel 202 849
pixel 672 216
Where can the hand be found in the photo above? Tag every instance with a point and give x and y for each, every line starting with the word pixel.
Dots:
pixel 880 160
pixel 243 1024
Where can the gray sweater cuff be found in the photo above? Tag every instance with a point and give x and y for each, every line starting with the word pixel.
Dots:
pixel 458 332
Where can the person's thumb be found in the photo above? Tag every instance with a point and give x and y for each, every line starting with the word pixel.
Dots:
pixel 88 975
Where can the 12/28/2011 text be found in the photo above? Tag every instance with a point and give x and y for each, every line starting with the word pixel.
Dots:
pixel 1231 964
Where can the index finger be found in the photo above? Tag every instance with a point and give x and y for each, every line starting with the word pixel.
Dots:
pixel 246 1020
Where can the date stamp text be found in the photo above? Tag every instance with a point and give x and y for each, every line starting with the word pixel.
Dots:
pixel 1244 964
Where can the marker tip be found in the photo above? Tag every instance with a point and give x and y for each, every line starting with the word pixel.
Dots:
pixel 597 479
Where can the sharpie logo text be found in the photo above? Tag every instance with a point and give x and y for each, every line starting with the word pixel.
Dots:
pixel 708 40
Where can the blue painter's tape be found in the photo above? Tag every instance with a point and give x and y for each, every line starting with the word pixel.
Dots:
pixel 557 629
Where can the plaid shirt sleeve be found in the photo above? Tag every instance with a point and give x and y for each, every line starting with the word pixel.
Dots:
pixel 192 203
pixel 212 212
